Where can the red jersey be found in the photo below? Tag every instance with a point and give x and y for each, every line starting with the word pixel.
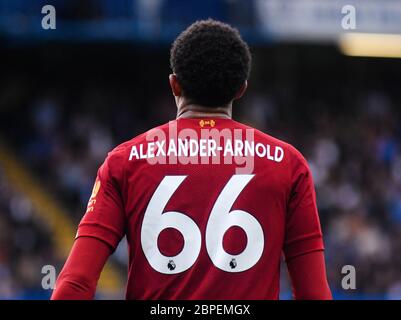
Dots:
pixel 208 206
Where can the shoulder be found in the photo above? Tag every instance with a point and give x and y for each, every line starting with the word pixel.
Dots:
pixel 120 153
pixel 294 158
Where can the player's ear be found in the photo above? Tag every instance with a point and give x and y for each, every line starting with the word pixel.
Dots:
pixel 175 86
pixel 241 91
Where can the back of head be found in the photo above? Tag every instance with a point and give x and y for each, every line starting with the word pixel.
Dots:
pixel 211 62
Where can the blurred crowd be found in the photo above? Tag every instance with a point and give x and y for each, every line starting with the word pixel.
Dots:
pixel 352 143
pixel 25 246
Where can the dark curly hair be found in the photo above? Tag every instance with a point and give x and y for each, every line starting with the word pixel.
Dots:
pixel 211 62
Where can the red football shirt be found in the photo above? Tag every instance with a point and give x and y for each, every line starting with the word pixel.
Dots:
pixel 208 206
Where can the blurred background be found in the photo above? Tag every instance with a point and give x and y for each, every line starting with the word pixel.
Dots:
pixel 69 95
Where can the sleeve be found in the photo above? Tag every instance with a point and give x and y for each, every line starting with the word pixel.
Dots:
pixel 308 277
pixel 303 232
pixel 105 215
pixel 81 272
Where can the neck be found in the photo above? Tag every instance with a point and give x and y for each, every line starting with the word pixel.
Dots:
pixel 197 111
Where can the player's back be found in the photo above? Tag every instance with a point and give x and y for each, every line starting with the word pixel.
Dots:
pixel 207 205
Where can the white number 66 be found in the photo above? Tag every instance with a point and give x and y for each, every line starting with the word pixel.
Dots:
pixel 220 220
